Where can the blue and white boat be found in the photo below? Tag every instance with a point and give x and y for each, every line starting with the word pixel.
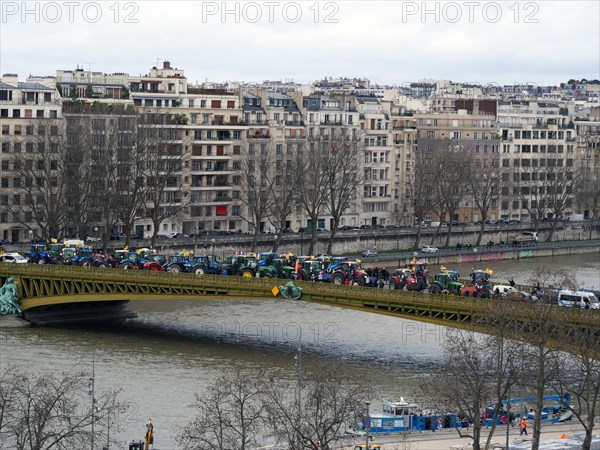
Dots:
pixel 556 409
pixel 407 416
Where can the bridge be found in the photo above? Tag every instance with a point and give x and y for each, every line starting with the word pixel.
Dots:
pixel 52 294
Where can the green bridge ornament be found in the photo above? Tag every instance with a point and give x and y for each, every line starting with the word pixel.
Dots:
pixel 9 298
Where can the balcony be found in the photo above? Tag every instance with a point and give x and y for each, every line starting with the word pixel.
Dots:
pixel 294 123
pixel 259 136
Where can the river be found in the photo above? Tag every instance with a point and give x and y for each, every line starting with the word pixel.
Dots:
pixel 176 348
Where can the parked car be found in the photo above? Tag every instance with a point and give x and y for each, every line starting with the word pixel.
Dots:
pixel 345 228
pixel 429 249
pixel 13 258
pixel 369 253
pixel 320 230
pixel 365 227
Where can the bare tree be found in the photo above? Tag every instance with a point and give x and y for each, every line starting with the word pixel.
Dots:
pixel 312 179
pixel 283 190
pixel 257 182
pixel 162 190
pixel 543 325
pixel 468 389
pixel 421 189
pixel 451 183
pixel 343 158
pixel 582 379
pixel 588 192
pixel 130 170
pixel 41 171
pixel 562 182
pixel 483 181
pixel 228 415
pixel 53 412
pixel 327 400
pixel 80 174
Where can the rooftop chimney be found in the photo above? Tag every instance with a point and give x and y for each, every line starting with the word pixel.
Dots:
pixel 166 65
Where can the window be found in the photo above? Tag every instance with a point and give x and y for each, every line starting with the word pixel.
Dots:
pixel 215 103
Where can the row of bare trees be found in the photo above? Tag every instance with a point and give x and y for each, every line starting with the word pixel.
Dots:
pixel 530 352
pixel 320 175
pixel 101 168
pixel 45 411
pixel 449 179
pixel 244 409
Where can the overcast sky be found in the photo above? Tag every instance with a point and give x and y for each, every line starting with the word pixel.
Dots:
pixel 389 42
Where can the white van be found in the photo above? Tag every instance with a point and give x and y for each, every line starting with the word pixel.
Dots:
pixel 578 299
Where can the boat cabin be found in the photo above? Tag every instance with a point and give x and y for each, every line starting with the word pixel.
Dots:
pixel 400 408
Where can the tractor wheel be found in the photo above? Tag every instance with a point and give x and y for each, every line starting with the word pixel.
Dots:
pixel 86 263
pixel 267 275
pixel 359 281
pixel 445 291
pixel 247 273
pixel 154 268
pixel 199 270
pixel 338 278
pixel 101 265
pixel 127 266
pixel 405 287
pixel 174 268
pixel 435 289
pixel 42 261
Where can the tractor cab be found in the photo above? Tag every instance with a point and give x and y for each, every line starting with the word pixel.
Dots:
pixel 267 258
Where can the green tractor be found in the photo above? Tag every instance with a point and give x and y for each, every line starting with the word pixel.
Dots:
pixel 246 266
pixel 446 282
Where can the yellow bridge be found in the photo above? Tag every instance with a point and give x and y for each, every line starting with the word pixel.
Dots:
pixel 59 294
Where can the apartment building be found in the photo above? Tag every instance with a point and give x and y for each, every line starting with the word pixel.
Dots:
pixel 472 134
pixel 375 125
pixel 31 123
pixel 404 141
pixel 587 127
pixel 538 153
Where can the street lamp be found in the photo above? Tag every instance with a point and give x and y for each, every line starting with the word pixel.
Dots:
pixel 212 241
pixel 367 426
pixel 275 246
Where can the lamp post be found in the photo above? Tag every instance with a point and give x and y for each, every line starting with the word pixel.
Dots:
pixel 302 243
pixel 212 241
pixel 367 426
pixel 508 420
pixel 275 244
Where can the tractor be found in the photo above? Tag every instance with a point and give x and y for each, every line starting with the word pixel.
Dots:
pixel 40 254
pixel 142 259
pixel 351 271
pixel 199 265
pixel 446 282
pixel 246 266
pixel 86 257
pixel 479 286
pixel 406 280
pixel 309 269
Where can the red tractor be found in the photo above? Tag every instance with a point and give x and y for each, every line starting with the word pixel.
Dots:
pixel 412 278
pixel 479 286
